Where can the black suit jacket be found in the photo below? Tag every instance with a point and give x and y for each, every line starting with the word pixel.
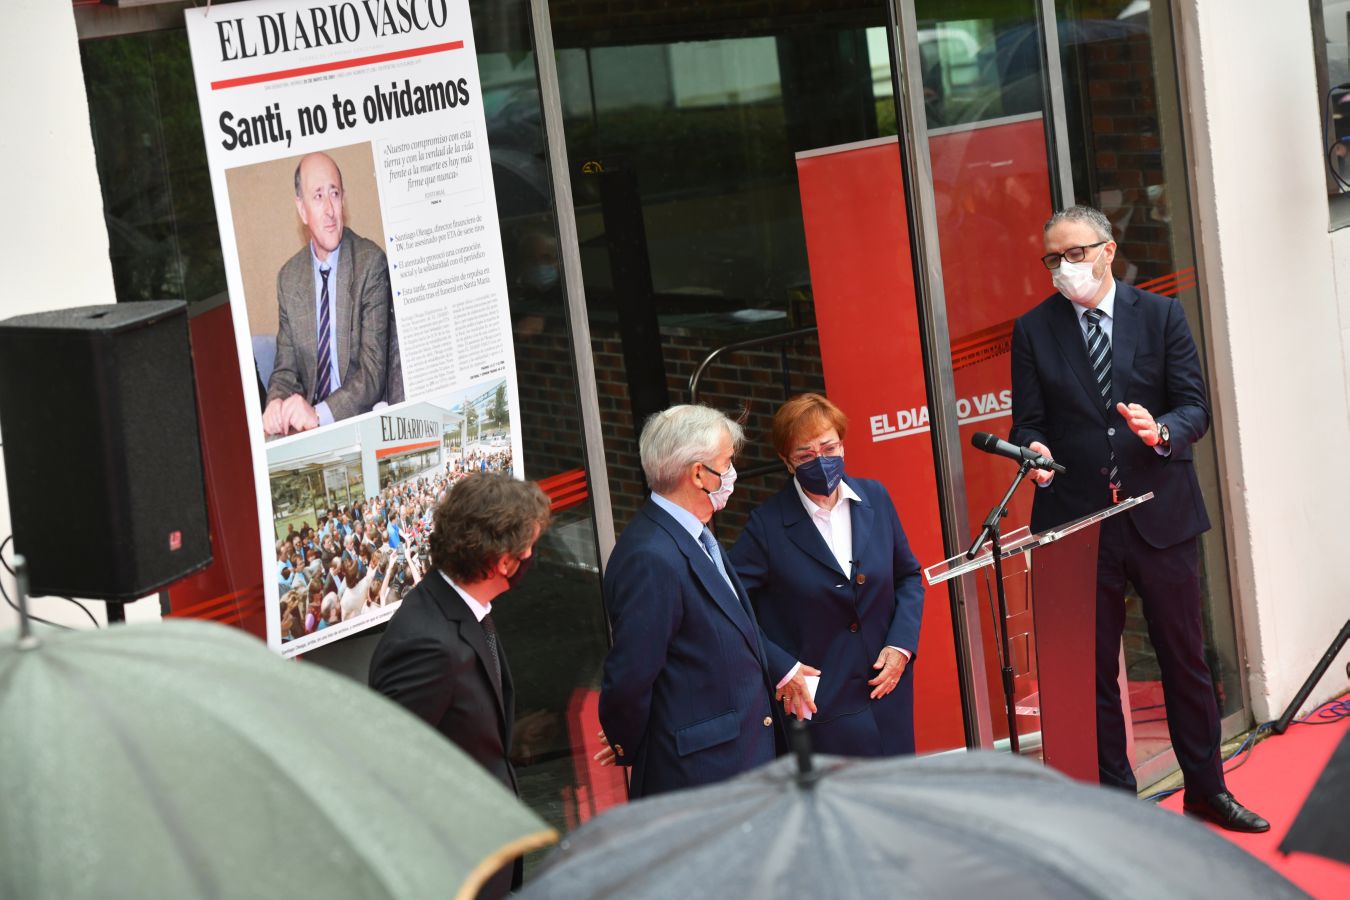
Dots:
pixel 433 659
pixel 1056 401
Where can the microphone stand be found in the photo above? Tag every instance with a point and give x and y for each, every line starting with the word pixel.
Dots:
pixel 992 531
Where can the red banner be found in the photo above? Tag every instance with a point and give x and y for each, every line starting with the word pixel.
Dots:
pixel 992 191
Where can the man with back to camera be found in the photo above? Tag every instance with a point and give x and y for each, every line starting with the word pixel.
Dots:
pixel 334 315
pixel 440 657
pixel 1106 379
pixel 687 692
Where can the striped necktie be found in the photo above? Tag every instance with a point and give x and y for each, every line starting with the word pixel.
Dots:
pixel 325 355
pixel 1099 355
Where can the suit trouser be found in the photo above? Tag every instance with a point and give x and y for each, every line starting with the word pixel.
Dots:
pixel 1168 582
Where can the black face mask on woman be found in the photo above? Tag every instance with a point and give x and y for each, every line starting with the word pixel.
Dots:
pixel 821 475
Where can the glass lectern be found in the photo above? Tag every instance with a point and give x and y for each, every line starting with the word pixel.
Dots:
pixel 1063 570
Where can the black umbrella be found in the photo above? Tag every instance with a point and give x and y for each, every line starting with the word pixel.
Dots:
pixel 980 825
pixel 1323 824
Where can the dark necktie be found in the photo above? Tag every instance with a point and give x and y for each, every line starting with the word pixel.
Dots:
pixel 490 633
pixel 324 385
pixel 1099 355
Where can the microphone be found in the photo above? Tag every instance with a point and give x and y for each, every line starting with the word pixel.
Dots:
pixel 990 444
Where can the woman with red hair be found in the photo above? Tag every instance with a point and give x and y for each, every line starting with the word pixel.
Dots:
pixel 834 584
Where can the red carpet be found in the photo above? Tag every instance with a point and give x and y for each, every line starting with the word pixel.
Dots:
pixel 1274 782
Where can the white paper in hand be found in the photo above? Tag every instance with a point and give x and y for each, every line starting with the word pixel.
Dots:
pixel 812 682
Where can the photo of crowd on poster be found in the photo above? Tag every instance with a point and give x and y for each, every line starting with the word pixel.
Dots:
pixel 345 554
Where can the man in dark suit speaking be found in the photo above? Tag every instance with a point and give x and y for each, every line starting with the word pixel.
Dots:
pixel 334 315
pixel 1107 380
pixel 440 657
pixel 687 692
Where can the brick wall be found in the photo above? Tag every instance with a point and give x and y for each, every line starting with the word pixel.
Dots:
pixel 1125 148
pixel 549 413
pixel 748 382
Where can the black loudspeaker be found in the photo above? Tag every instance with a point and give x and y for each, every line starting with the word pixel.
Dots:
pixel 98 417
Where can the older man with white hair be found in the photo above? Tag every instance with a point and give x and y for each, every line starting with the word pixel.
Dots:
pixel 687 692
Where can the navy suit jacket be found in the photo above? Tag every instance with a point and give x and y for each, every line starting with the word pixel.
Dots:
pixel 809 609
pixel 686 692
pixel 1056 401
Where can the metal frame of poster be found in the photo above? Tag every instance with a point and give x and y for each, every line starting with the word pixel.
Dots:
pixel 349 162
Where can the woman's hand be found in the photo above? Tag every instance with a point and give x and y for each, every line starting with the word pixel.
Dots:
pixel 892 664
pixel 795 695
pixel 606 756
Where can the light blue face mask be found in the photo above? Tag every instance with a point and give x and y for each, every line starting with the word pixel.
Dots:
pixel 821 475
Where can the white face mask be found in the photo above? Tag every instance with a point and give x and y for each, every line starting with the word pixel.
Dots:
pixel 1076 281
pixel 719 497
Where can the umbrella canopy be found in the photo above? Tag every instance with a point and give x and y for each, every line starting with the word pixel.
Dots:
pixel 1323 824
pixel 185 760
pixel 969 825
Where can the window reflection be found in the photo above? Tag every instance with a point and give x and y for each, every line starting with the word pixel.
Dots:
pixel 302 495
pixel 394 469
pixel 973 69
pixel 690 218
pixel 146 126
pixel 1331 53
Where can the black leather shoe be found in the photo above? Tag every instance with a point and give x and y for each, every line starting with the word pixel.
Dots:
pixel 1224 811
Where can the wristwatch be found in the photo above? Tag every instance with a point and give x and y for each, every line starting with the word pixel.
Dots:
pixel 1164 436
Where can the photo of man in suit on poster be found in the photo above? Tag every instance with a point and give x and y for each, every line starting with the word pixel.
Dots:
pixel 322 321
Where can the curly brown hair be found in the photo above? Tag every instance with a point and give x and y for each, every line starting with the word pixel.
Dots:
pixel 483 518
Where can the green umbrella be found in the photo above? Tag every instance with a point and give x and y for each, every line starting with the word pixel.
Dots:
pixel 183 759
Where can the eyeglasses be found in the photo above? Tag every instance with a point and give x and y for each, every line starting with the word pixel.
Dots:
pixel 1073 255
pixel 803 455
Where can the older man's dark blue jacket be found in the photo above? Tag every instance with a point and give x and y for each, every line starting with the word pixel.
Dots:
pixel 687 690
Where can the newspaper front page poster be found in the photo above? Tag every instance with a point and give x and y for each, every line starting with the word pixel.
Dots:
pixel 349 162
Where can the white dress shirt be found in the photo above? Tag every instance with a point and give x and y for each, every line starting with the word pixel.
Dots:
pixel 479 610
pixel 688 521
pixel 1107 308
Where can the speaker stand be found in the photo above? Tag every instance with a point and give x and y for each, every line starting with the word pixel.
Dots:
pixel 1339 641
pixel 117 613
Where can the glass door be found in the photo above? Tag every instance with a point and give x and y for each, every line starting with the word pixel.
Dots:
pixel 1010 140
pixel 741 207
pixel 746 229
